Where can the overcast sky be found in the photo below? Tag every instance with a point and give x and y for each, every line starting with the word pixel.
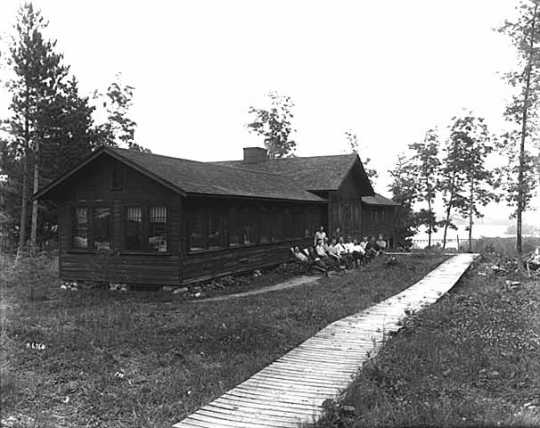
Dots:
pixel 388 70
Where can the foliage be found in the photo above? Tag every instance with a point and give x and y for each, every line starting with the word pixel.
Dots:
pixel 524 33
pixel 474 147
pixel 275 125
pixel 508 175
pixel 354 145
pixel 32 276
pixel 37 73
pixel 424 167
pixel 49 129
pixel 403 188
pixel 452 181
pixel 119 129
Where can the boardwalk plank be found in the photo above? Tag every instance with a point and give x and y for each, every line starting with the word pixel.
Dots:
pixel 291 390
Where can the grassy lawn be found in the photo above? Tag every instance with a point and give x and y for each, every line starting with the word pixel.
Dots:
pixel 147 359
pixel 473 359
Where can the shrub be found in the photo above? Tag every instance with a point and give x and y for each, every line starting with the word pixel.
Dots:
pixel 32 276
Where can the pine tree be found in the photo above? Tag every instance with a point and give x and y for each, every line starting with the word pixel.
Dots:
pixel 38 71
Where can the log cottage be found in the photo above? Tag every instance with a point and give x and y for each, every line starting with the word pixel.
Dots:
pixel 140 218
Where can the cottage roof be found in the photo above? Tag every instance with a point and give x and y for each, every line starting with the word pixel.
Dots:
pixel 316 173
pixel 378 199
pixel 205 178
pixel 199 178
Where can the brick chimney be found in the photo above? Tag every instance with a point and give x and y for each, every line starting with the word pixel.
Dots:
pixel 254 154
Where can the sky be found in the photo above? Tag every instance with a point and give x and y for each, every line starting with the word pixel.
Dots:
pixel 387 70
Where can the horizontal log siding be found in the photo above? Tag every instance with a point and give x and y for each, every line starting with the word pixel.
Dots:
pixel 133 269
pixel 207 265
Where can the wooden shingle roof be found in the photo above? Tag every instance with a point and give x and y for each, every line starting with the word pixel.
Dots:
pixel 317 173
pixel 212 179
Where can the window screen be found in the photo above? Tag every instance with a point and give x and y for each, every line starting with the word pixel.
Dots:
pixel 134 229
pixel 102 228
pixel 80 228
pixel 157 229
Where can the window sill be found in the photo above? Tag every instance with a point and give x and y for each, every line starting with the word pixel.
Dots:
pixel 144 253
pixel 239 247
pixel 121 252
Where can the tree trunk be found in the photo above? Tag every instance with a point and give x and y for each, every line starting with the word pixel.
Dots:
pixel 33 230
pixel 449 208
pixel 430 225
pixel 471 206
pixel 24 192
pixel 524 117
pixel 24 201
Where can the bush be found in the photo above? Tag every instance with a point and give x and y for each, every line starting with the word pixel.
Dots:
pixel 32 275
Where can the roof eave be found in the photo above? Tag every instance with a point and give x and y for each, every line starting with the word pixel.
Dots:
pixel 98 152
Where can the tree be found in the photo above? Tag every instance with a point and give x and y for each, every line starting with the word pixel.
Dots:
pixel 354 145
pixel 509 179
pixel 452 180
pixel 524 33
pixel 425 170
pixel 119 129
pixel 474 143
pixel 275 125
pixel 403 188
pixel 38 71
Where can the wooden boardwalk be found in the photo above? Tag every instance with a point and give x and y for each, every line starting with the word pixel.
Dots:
pixel 291 390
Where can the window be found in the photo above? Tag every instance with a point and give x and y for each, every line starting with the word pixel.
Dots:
pixel 195 224
pixel 277 225
pixel 216 238
pixel 157 229
pixel 134 229
pixel 80 228
pixel 102 228
pixel 265 226
pixel 248 226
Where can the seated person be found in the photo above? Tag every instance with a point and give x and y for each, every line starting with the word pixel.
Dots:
pixel 333 251
pixel 299 255
pixel 371 248
pixel 323 255
pixel 358 252
pixel 364 242
pixel 349 246
pixel 317 261
pixel 345 252
pixel 381 243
